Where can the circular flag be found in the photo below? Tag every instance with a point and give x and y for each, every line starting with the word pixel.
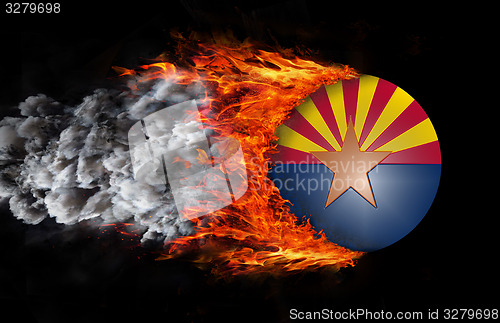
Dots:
pixel 361 160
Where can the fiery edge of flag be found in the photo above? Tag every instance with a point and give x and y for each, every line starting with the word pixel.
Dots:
pixel 249 91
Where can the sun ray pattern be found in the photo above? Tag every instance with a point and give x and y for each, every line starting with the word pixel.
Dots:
pixel 385 118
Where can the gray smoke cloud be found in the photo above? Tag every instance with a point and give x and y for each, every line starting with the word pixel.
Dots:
pixel 72 163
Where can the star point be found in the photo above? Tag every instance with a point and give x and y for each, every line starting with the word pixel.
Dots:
pixel 350 166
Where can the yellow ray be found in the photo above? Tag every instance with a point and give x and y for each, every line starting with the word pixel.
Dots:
pixel 398 102
pixel 335 91
pixel 420 134
pixel 309 111
pixel 291 139
pixel 367 86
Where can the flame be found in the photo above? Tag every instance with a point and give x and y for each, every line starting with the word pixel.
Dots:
pixel 249 91
pixel 177 159
pixel 124 229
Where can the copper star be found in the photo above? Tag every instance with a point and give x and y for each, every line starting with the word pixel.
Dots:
pixel 350 167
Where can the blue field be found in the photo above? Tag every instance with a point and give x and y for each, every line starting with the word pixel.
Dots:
pixel 403 193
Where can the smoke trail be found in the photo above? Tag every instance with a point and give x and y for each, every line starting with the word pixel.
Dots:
pixel 72 163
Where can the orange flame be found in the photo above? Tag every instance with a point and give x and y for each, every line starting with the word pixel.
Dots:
pixel 249 91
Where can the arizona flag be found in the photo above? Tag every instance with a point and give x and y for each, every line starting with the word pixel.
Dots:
pixel 361 160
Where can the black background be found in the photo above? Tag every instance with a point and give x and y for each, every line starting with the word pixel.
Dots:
pixel 437 54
